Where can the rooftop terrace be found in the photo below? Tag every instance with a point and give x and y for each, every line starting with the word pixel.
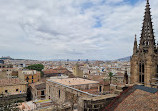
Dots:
pixel 74 81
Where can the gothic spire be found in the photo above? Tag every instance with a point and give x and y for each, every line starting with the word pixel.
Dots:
pixel 135 45
pixel 147 1
pixel 135 38
pixel 147 35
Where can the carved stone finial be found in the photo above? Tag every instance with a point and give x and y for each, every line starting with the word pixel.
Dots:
pixel 135 37
pixel 147 1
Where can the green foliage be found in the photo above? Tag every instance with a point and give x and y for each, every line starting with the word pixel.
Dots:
pixel 37 67
pixel 111 75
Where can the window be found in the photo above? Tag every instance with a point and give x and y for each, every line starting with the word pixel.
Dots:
pixel 6 91
pixel 142 68
pixel 143 79
pixel 100 88
pixel 27 79
pixel 42 92
pixel 32 81
pixel 59 93
pixel 32 77
pixel 141 72
pixel 140 78
pixel 17 90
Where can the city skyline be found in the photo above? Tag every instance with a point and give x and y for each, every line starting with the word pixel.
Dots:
pixel 85 29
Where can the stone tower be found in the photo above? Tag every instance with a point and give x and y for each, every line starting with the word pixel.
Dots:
pixel 77 71
pixel 144 61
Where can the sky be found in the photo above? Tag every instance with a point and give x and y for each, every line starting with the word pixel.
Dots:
pixel 72 29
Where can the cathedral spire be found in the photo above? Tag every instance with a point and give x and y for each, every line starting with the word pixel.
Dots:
pixel 147 1
pixel 135 45
pixel 135 38
pixel 147 35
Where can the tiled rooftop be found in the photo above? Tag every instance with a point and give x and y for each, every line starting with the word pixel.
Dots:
pixel 139 101
pixel 74 81
pixel 38 85
pixel 136 98
pixel 56 71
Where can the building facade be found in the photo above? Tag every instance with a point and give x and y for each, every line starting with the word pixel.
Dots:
pixel 144 61
pixel 30 76
pixel 12 90
pixel 77 92
pixel 38 90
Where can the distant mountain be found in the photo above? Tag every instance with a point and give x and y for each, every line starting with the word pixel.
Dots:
pixel 10 58
pixel 124 59
pixel 7 57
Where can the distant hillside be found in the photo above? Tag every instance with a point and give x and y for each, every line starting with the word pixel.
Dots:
pixel 124 59
pixel 7 57
pixel 10 58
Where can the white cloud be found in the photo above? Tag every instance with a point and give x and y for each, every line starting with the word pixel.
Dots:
pixel 72 29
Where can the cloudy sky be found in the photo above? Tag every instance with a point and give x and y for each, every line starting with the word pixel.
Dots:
pixel 71 29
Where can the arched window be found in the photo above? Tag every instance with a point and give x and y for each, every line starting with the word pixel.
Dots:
pixel 59 93
pixel 141 72
pixel 142 67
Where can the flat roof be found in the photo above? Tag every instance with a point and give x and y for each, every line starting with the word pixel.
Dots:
pixel 74 81
pixel 100 97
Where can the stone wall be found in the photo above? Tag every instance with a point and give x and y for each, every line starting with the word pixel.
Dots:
pixel 15 89
pixel 94 103
pixel 60 93
pixel 12 98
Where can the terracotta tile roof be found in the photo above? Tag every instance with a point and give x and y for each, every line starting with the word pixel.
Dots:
pixel 48 71
pixel 11 82
pixel 38 85
pixel 58 70
pixel 136 98
pixel 139 100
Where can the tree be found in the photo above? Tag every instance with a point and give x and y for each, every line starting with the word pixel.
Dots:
pixel 110 76
pixel 37 67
